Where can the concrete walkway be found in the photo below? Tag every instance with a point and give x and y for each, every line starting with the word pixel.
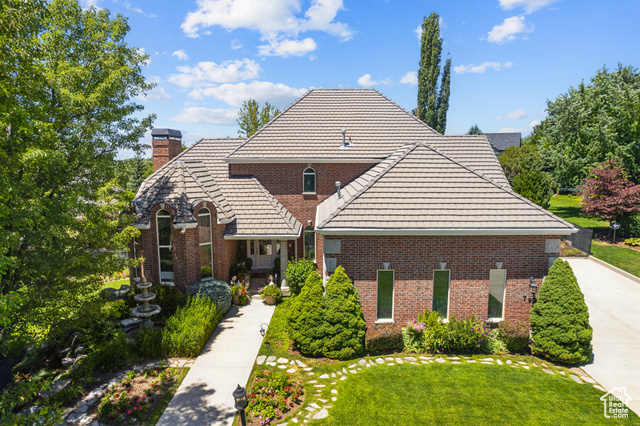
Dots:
pixel 205 395
pixel 614 313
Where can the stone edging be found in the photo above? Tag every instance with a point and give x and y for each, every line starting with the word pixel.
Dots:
pixel 615 269
pixel 318 409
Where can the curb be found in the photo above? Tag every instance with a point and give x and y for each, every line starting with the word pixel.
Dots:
pixel 615 269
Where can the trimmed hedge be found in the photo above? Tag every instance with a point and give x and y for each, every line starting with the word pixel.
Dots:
pixel 560 318
pixel 297 273
pixel 345 326
pixel 384 338
pixel 305 317
pixel 515 334
pixel 630 225
pixel 217 291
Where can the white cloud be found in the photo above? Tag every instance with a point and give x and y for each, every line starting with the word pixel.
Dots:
pixel 88 4
pixel 512 130
pixel 286 48
pixel 418 32
pixel 509 29
pixel 479 69
pixel 157 93
pixel 534 123
pixel 514 115
pixel 141 51
pixel 207 116
pixel 180 54
pixel 278 94
pixel 235 44
pixel 529 6
pixel 275 20
pixel 366 81
pixel 209 73
pixel 410 77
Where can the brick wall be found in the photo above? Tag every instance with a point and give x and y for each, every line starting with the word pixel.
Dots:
pixel 186 267
pixel 284 182
pixel 414 258
pixel 164 150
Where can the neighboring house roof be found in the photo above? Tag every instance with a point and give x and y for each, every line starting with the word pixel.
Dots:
pixel 502 141
pixel 253 211
pixel 420 190
pixel 310 130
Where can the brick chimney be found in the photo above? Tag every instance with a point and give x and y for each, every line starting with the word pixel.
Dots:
pixel 167 144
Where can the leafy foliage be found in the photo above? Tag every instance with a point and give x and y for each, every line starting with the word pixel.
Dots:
pixel 524 170
pixel 148 343
pixel 475 130
pixel 630 225
pixel 112 355
pixel 251 118
pixel 186 332
pixel 433 101
pixel 305 317
pixel 384 338
pixel 607 192
pixel 216 290
pixel 592 123
pixel 66 108
pixel 344 322
pixel 560 319
pixel 297 273
pixel 515 335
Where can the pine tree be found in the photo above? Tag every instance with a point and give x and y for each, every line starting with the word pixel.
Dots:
pixel 306 316
pixel 344 326
pixel 560 318
pixel 251 117
pixel 433 104
pixel 475 130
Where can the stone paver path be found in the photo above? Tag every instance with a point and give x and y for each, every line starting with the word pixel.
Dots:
pixel 205 395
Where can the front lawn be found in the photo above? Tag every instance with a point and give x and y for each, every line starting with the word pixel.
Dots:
pixel 624 258
pixel 116 284
pixel 568 208
pixel 446 394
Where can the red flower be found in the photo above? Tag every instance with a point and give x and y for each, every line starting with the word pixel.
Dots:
pixel 129 412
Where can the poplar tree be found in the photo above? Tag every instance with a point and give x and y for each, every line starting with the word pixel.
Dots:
pixel 433 100
pixel 251 117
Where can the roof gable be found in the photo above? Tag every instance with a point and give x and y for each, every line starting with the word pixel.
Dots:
pixel 420 188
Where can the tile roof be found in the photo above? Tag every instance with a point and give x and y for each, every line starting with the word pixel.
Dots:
pixel 255 210
pixel 419 188
pixel 310 129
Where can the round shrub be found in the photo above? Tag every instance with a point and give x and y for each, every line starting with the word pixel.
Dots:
pixel 297 273
pixel 515 334
pixel 305 317
pixel 345 326
pixel 218 291
pixel 384 338
pixel 630 225
pixel 560 329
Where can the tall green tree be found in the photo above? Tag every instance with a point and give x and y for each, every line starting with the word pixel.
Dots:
pixel 433 97
pixel 592 123
pixel 524 170
pixel 474 130
pixel 69 81
pixel 251 117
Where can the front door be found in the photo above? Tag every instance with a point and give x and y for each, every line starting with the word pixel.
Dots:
pixel 263 253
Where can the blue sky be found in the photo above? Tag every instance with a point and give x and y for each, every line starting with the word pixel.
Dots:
pixel 509 56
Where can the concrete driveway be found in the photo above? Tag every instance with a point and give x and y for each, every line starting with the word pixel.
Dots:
pixel 614 313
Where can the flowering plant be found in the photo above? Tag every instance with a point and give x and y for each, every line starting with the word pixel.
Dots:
pixel 240 292
pixel 272 395
pixel 271 290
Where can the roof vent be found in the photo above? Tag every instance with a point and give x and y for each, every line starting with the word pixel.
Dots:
pixel 345 144
pixel 338 185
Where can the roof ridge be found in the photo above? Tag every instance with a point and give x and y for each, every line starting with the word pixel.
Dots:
pixel 228 212
pixel 409 114
pixel 270 121
pixel 401 155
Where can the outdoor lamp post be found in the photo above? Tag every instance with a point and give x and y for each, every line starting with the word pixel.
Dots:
pixel 263 331
pixel 534 288
pixel 240 397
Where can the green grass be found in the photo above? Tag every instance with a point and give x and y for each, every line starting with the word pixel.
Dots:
pixel 568 208
pixel 116 284
pixel 624 258
pixel 445 394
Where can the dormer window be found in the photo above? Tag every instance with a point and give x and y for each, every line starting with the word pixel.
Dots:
pixel 309 181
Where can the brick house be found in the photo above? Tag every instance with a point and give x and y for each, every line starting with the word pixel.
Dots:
pixel 347 177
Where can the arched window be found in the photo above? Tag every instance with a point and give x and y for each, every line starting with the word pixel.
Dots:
pixel 206 247
pixel 165 250
pixel 309 181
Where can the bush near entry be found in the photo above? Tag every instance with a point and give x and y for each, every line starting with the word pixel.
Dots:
pixel 297 273
pixel 306 317
pixel 560 318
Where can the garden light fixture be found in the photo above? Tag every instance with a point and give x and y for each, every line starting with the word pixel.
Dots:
pixel 240 398
pixel 263 328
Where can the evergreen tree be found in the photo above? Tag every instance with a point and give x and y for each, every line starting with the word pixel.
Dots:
pixel 523 168
pixel 560 318
pixel 344 322
pixel 306 316
pixel 138 169
pixel 251 117
pixel 433 104
pixel 475 130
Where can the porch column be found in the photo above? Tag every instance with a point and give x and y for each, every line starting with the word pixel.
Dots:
pixel 283 267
